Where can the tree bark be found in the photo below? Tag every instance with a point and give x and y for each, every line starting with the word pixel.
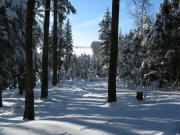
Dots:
pixel 1 104
pixel 54 82
pixel 21 80
pixel 21 86
pixel 114 52
pixel 29 95
pixel 44 84
pixel 178 67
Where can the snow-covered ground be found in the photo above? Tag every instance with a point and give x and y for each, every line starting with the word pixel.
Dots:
pixel 80 108
pixel 82 50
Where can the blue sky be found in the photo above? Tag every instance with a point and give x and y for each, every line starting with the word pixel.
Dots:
pixel 90 12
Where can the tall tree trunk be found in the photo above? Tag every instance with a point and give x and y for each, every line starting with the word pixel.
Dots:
pixel 54 82
pixel 1 104
pixel 66 60
pixel 29 95
pixel 21 85
pixel 114 52
pixel 44 84
pixel 21 77
pixel 177 68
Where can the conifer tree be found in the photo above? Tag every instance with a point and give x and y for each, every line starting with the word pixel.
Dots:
pixel 175 4
pixel 175 38
pixel 140 46
pixel 68 44
pixel 161 41
pixel 60 47
pixel 64 8
pixel 125 61
pixel 12 40
pixel 105 37
pixel 159 44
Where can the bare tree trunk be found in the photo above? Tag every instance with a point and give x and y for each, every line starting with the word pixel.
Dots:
pixel 44 84
pixel 29 95
pixel 114 52
pixel 54 82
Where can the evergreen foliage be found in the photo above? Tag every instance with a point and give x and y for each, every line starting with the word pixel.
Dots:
pixel 61 10
pixel 152 51
pixel 95 46
pixel 105 37
pixel 68 44
pixel 149 53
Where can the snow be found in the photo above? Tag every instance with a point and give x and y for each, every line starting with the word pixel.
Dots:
pixel 150 73
pixel 82 50
pixel 81 108
pixel 11 14
pixel 169 52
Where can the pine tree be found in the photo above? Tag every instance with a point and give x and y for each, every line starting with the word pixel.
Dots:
pixel 44 85
pixel 114 52
pixel 140 46
pixel 105 37
pixel 142 14
pixel 64 9
pixel 12 27
pixel 6 51
pixel 95 46
pixel 21 13
pixel 175 4
pixel 68 43
pixel 160 42
pixel 125 61
pixel 60 48
pixel 29 95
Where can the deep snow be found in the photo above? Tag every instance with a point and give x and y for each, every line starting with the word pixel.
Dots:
pixel 80 108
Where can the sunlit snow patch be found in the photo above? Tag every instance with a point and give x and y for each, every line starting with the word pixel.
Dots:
pixel 82 51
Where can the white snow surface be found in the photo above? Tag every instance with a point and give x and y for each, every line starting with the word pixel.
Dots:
pixel 81 108
pixel 82 51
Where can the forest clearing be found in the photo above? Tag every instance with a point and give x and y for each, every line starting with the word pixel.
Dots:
pixel 81 108
pixel 89 67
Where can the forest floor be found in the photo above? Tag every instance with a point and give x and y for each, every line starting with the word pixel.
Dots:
pixel 81 108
